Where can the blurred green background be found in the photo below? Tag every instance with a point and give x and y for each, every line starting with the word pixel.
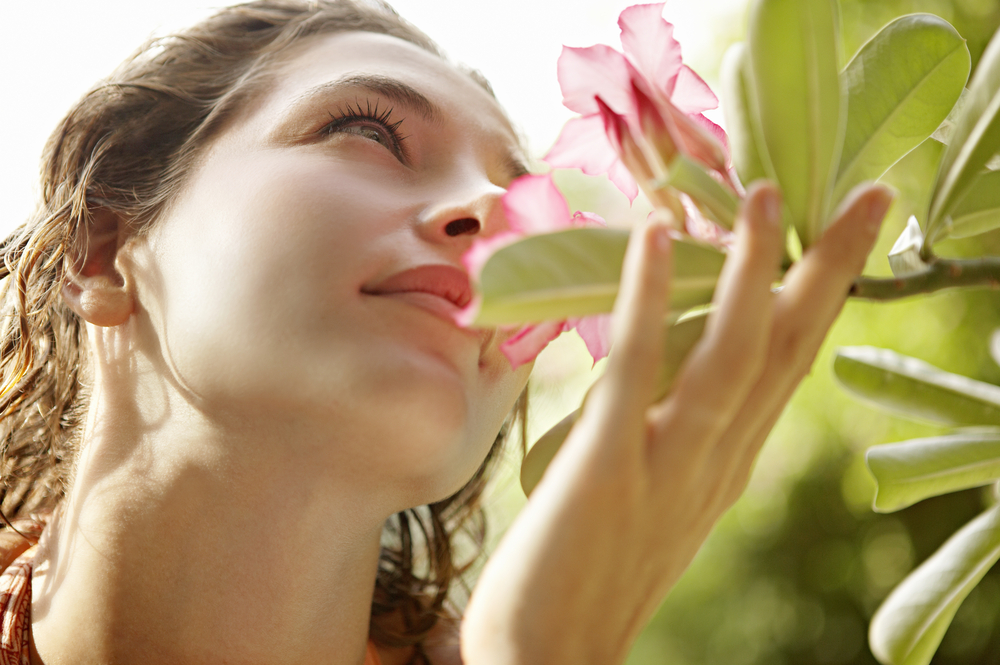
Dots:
pixel 794 572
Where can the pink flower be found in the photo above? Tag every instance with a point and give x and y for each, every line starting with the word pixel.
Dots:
pixel 648 162
pixel 651 62
pixel 534 205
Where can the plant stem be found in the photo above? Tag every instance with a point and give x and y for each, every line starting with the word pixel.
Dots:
pixel 940 274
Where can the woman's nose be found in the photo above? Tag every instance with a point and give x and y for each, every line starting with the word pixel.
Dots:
pixel 463 226
pixel 466 212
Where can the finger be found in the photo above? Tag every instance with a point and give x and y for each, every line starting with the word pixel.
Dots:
pixel 729 358
pixel 815 291
pixel 630 380
pixel 817 286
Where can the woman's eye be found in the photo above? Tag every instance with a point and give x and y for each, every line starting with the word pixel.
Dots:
pixel 368 132
pixel 370 122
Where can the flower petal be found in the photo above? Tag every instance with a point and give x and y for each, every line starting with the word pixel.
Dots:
pixel 632 162
pixel 718 132
pixel 698 137
pixel 582 219
pixel 649 41
pixel 533 204
pixel 583 145
pixel 529 341
pixel 655 129
pixel 623 180
pixel 713 129
pixel 595 332
pixel 597 70
pixel 691 94
pixel 699 226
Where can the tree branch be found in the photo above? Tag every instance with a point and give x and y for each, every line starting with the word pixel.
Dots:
pixel 940 274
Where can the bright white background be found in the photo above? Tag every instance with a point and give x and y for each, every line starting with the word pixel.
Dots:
pixel 52 52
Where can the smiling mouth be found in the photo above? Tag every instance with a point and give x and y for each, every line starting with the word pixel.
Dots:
pixel 434 304
pixel 441 289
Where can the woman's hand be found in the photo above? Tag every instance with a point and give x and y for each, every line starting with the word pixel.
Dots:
pixel 638 485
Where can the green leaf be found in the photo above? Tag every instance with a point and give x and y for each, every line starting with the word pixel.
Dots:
pixel 540 455
pixel 979 210
pixel 913 177
pixel 742 128
pixel 943 133
pixel 688 176
pixel 794 68
pixel 915 389
pixel 900 88
pixel 915 470
pixel 681 338
pixel 974 140
pixel 576 272
pixel 908 627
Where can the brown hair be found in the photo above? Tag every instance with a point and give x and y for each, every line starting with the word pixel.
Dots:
pixel 126 147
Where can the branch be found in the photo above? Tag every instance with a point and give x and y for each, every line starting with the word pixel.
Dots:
pixel 940 274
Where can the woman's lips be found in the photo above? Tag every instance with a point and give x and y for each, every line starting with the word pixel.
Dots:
pixel 434 304
pixel 440 289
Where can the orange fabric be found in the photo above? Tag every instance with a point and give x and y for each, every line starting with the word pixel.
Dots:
pixel 371 656
pixel 15 611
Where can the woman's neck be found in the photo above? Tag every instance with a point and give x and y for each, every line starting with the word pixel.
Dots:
pixel 183 543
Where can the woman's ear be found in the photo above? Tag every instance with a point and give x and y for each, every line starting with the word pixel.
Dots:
pixel 94 287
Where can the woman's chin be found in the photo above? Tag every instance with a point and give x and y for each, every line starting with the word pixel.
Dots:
pixel 436 484
pixel 432 456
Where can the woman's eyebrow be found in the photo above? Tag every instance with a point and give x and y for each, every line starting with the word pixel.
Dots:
pixel 515 166
pixel 385 86
pixel 399 92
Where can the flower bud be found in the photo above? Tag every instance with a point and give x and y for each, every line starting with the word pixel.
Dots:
pixel 622 140
pixel 655 130
pixel 633 156
pixel 693 139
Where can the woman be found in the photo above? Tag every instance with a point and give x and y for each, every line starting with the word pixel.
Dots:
pixel 232 377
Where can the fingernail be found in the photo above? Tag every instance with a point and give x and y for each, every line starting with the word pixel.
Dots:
pixel 878 206
pixel 661 237
pixel 772 206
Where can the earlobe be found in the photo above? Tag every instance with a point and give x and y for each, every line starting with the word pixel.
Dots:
pixel 94 286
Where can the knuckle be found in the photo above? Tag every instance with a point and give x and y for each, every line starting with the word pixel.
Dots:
pixel 793 349
pixel 846 250
pixel 636 352
pixel 702 415
pixel 741 356
pixel 653 282
pixel 765 247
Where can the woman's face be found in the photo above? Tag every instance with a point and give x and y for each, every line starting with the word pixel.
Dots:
pixel 307 273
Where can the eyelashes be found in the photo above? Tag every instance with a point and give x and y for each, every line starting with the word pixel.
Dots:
pixel 370 122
